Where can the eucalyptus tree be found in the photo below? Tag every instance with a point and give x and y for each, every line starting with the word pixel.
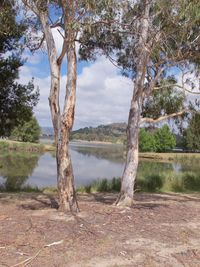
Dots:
pixel 69 17
pixel 62 120
pixel 153 41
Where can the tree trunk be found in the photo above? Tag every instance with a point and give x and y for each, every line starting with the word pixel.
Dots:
pixel 129 175
pixel 62 123
pixel 125 197
pixel 67 193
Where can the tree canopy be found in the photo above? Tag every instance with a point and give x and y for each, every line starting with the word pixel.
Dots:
pixel 16 100
pixel 192 133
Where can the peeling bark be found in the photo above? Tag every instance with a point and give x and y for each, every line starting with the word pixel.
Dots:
pixel 67 194
pixel 125 197
pixel 62 123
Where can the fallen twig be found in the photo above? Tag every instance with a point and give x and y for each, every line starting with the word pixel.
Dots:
pixel 54 243
pixel 29 260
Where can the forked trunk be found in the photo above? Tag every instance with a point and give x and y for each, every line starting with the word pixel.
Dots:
pixel 67 193
pixel 62 123
pixel 125 197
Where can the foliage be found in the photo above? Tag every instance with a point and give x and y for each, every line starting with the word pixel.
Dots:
pixel 172 44
pixel 163 100
pixel 16 100
pixel 192 133
pixel 165 140
pixel 116 133
pixel 158 140
pixel 27 132
pixel 147 142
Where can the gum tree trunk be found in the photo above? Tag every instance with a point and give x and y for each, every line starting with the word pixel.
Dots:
pixel 131 165
pixel 125 197
pixel 67 194
pixel 62 123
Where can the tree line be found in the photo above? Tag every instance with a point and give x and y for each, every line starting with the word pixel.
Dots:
pixel 16 100
pixel 153 42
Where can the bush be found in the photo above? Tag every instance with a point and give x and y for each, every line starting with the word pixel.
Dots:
pixel 27 132
pixel 151 183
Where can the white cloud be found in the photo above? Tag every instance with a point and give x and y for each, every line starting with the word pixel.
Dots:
pixel 103 96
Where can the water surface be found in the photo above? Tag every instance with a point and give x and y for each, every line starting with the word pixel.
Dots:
pixel 90 162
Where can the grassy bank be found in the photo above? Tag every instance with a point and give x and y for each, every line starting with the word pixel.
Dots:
pixel 169 156
pixel 24 146
pixel 164 182
pixel 188 182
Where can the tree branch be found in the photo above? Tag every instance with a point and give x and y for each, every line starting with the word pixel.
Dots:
pixel 63 52
pixel 32 7
pixel 177 85
pixel 165 117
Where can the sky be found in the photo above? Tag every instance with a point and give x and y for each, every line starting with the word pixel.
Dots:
pixel 103 94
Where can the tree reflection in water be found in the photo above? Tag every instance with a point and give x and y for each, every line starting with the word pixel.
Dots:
pixel 16 169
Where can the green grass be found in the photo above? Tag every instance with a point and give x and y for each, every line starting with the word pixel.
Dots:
pixel 24 146
pixel 27 188
pixel 169 182
pixel 103 185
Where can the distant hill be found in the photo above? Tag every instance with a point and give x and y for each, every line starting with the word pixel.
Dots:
pixel 114 133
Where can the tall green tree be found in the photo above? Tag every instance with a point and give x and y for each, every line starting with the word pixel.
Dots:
pixel 147 142
pixel 165 139
pixel 16 100
pixel 192 133
pixel 150 40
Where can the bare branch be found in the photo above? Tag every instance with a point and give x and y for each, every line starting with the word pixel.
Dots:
pixel 63 52
pixel 165 117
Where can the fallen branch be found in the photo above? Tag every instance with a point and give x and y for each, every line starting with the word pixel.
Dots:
pixel 29 260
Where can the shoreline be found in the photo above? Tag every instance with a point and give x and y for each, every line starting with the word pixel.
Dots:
pixel 25 146
pixel 48 147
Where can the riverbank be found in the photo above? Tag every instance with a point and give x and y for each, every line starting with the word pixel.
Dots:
pixel 159 230
pixel 169 156
pixel 25 146
pixel 45 147
pixel 79 141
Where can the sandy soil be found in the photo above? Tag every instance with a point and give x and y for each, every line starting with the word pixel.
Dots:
pixel 160 230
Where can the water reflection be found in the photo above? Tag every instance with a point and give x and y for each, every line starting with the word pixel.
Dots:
pixel 16 169
pixel 114 153
pixel 90 162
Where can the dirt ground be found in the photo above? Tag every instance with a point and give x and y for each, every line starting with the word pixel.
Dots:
pixel 159 230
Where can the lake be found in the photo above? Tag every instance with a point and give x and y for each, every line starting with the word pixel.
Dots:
pixel 92 162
